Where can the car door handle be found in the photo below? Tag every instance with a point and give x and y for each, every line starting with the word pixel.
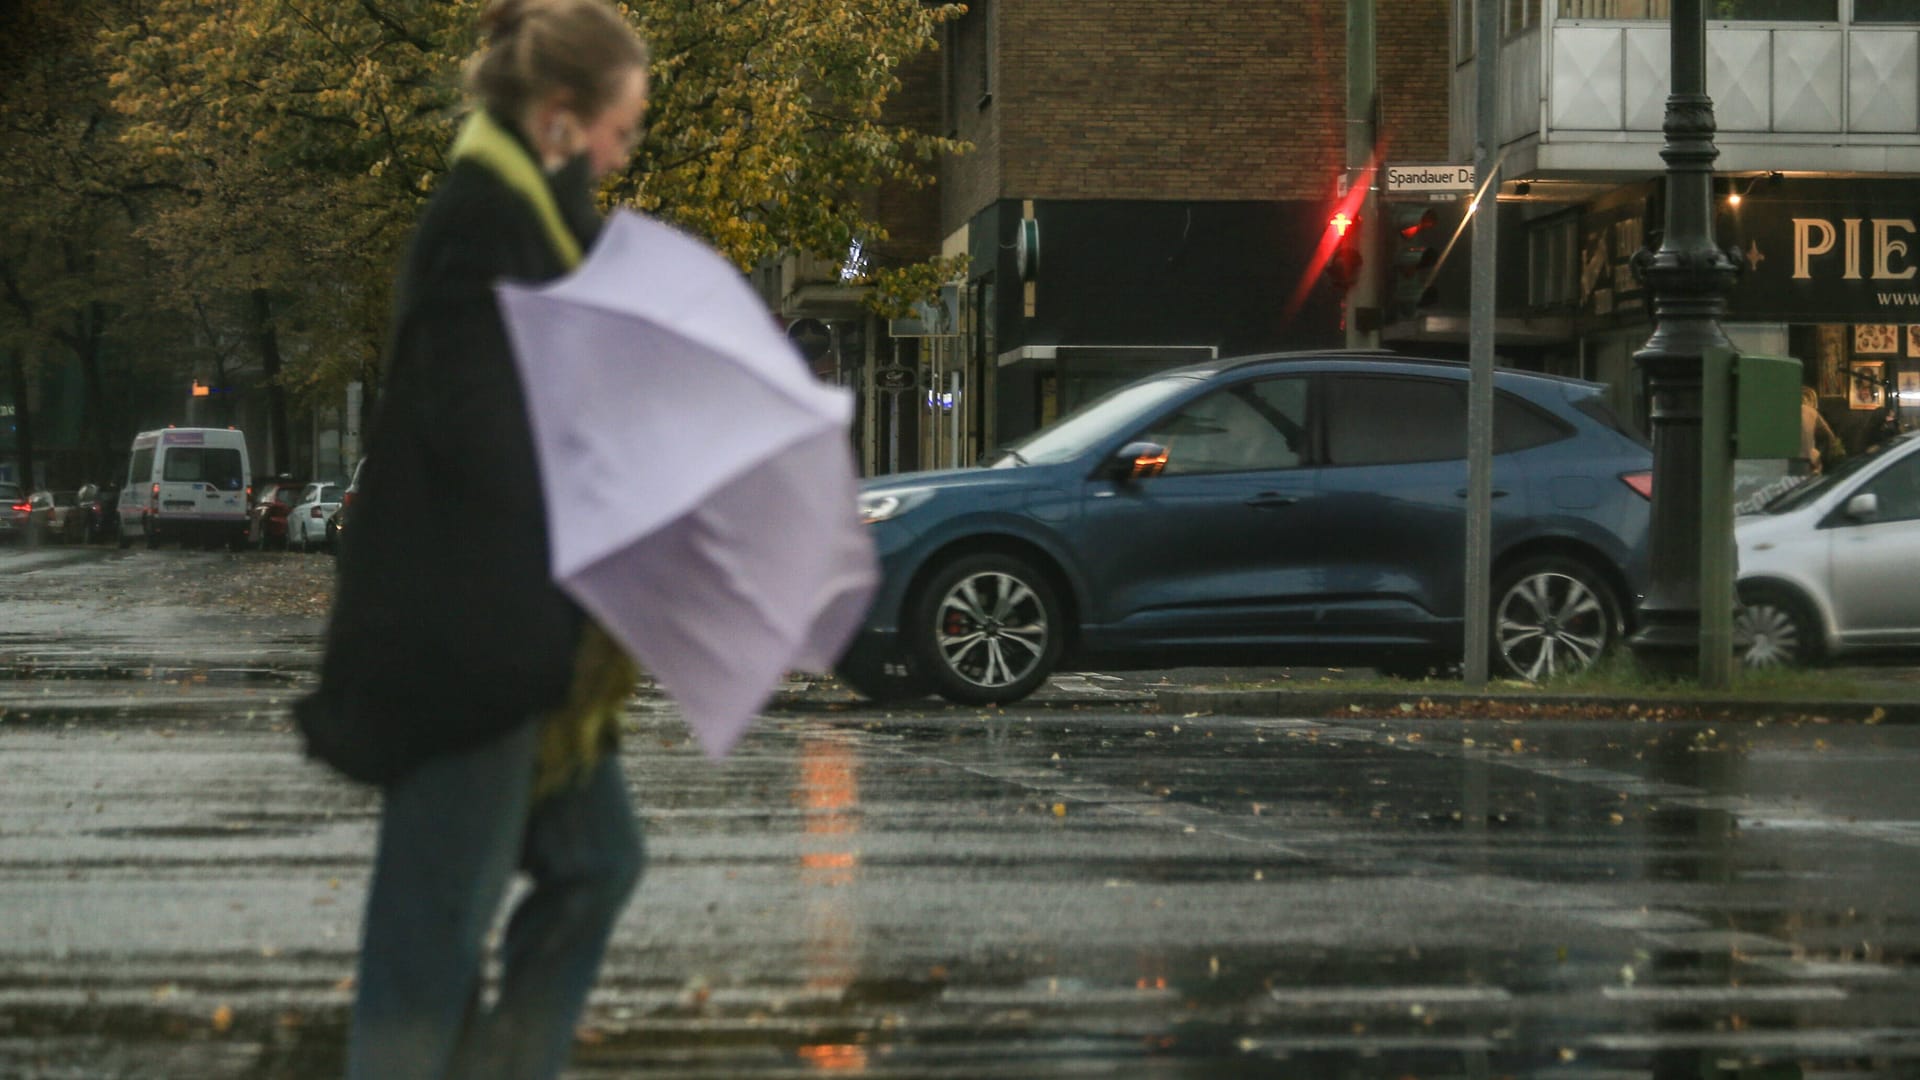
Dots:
pixel 1271 500
pixel 1498 493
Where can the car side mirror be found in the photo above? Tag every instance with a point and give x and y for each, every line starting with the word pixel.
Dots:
pixel 1864 507
pixel 1138 461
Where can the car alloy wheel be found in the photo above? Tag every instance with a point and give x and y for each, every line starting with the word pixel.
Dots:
pixel 1551 616
pixel 987 630
pixel 1774 630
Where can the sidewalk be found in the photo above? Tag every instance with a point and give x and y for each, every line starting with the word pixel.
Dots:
pixel 1884 694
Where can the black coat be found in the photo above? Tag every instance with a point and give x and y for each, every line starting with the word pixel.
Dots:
pixel 447 629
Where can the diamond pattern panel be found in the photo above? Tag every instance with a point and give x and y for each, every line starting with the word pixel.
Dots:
pixel 1806 80
pixel 1739 78
pixel 1649 54
pixel 1586 79
pixel 1883 82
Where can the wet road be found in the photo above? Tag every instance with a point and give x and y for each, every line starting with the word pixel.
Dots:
pixel 1079 888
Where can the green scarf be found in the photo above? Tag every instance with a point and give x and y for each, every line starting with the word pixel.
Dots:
pixel 575 735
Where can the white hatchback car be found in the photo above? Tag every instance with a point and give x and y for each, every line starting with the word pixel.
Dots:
pixel 307 521
pixel 1827 568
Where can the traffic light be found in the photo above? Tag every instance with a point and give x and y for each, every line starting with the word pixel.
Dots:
pixel 1416 253
pixel 1343 266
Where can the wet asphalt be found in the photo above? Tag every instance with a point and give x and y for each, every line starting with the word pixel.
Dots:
pixel 1079 886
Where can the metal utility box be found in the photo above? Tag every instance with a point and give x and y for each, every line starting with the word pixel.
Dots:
pixel 1766 407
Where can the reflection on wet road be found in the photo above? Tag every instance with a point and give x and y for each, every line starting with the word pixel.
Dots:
pixel 1049 892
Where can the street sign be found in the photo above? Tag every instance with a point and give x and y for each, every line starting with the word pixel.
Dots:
pixel 894 378
pixel 1425 179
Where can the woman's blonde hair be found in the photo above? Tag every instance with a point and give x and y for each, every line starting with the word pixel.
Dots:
pixel 582 48
pixel 1809 396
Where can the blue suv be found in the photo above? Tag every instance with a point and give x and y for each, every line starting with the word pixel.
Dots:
pixel 1294 508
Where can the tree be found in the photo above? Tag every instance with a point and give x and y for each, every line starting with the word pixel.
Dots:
pixel 303 135
pixel 75 281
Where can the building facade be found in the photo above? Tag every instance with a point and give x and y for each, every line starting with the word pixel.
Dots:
pixel 1148 183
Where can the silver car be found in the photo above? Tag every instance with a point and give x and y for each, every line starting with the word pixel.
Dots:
pixel 1826 569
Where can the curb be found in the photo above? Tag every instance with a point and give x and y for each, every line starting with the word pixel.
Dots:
pixel 1443 704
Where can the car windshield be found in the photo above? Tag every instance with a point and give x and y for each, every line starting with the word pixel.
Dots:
pixel 330 493
pixel 1074 434
pixel 1797 497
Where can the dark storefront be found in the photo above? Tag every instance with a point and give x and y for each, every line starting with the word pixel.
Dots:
pixel 1069 299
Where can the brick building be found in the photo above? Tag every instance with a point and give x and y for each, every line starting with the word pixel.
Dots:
pixel 1148 182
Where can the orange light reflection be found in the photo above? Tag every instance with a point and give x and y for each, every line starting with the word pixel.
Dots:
pixel 841 1057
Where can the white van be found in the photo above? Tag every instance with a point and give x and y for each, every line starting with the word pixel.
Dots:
pixel 186 484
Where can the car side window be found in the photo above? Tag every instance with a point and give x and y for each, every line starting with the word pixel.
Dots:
pixel 1898 491
pixel 1252 426
pixel 1385 420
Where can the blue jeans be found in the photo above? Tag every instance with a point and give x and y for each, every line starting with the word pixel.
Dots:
pixel 451 837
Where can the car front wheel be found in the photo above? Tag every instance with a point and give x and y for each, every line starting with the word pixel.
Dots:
pixel 987 629
pixel 1775 629
pixel 1551 616
pixel 880 678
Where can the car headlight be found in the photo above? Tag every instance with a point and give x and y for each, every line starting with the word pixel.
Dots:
pixel 881 506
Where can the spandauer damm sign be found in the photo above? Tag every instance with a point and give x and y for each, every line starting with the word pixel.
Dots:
pixel 1827 251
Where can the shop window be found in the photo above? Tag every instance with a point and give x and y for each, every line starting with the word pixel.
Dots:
pixel 1246 428
pixel 1751 10
pixel 1615 9
pixel 1553 255
pixel 1519 17
pixel 1880 11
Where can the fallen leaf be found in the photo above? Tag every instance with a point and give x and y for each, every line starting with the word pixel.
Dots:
pixel 223 1019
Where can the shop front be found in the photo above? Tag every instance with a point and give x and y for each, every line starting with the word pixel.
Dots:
pixel 1832 279
pixel 1837 263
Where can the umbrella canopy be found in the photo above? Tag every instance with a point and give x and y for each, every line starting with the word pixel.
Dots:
pixel 700 487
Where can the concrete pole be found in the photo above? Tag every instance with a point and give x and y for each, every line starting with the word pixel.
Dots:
pixel 1363 300
pixel 1480 342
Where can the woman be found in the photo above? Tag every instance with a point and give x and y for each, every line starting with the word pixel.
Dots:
pixel 457 676
pixel 1814 432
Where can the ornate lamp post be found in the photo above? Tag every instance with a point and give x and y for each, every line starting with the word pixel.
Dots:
pixel 1689 278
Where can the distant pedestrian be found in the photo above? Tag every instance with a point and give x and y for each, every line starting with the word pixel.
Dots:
pixel 1814 432
pixel 457 676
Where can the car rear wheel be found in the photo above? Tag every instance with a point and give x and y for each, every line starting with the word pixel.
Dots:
pixel 1552 615
pixel 987 629
pixel 1774 628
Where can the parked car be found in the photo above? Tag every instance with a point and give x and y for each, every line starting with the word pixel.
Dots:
pixel 1295 508
pixel 1826 568
pixel 267 517
pixel 307 518
pixel 43 517
pixel 64 521
pixel 15 512
pixel 337 523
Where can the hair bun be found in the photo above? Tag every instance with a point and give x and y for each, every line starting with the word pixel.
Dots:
pixel 504 18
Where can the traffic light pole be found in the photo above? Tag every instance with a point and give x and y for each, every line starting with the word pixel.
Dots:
pixel 1363 299
pixel 1689 278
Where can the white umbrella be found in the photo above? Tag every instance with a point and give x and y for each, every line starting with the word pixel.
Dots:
pixel 700 485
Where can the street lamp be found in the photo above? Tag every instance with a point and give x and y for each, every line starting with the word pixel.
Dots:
pixel 1689 278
